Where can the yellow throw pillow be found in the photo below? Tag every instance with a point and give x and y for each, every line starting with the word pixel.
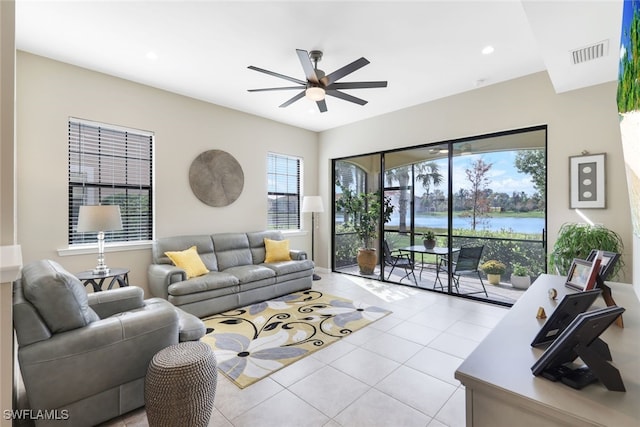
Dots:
pixel 189 261
pixel 276 250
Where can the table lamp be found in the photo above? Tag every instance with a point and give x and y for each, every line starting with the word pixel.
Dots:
pixel 312 204
pixel 99 219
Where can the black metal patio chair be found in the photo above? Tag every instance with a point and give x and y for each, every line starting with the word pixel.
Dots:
pixel 466 263
pixel 402 260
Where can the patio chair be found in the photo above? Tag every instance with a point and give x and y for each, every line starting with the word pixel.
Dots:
pixel 465 264
pixel 402 260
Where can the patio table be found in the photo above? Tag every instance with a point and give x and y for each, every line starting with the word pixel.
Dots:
pixel 438 251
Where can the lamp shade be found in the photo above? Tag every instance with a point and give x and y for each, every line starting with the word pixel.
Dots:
pixel 99 218
pixel 312 204
pixel 315 93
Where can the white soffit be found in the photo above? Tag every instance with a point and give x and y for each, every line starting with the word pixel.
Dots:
pixel 582 24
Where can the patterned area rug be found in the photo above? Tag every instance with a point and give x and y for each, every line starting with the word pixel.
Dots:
pixel 252 342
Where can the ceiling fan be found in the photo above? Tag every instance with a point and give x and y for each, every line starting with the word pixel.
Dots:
pixel 317 84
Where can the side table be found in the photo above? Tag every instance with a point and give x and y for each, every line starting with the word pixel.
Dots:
pixel 117 275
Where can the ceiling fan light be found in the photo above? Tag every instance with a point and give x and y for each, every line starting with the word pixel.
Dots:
pixel 315 93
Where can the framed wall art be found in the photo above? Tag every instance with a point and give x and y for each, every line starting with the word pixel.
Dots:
pixel 587 181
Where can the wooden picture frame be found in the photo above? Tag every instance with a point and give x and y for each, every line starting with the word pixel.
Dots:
pixel 582 274
pixel 587 181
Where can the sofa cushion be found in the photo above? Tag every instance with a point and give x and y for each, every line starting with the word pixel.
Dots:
pixel 251 273
pixel 202 242
pixel 289 267
pixel 59 296
pixel 276 250
pixel 232 250
pixel 207 282
pixel 189 261
pixel 256 243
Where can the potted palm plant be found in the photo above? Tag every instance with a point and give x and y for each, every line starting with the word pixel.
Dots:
pixel 520 278
pixel 493 269
pixel 576 240
pixel 363 213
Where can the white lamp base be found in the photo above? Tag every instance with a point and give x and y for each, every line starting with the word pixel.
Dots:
pixel 101 270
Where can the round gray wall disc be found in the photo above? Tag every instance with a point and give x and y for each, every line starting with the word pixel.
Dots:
pixel 216 178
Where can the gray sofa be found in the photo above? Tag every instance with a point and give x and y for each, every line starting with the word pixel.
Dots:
pixel 238 274
pixel 84 357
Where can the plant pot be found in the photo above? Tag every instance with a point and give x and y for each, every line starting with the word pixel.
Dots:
pixel 429 243
pixel 367 260
pixel 520 282
pixel 494 279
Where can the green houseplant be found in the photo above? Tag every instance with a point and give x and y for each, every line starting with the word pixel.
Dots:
pixel 493 269
pixel 520 278
pixel 363 213
pixel 576 240
pixel 429 239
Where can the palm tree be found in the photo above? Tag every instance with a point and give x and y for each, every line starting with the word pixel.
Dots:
pixel 428 174
pixel 344 179
pixel 402 175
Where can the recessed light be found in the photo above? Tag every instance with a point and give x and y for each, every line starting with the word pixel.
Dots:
pixel 152 55
pixel 487 50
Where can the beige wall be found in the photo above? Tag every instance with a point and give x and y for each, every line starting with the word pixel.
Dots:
pixel 580 120
pixel 48 92
pixel 7 202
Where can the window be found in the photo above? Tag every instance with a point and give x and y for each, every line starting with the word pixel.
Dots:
pixel 283 181
pixel 111 165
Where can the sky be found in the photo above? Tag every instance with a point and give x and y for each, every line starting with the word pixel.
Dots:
pixel 503 175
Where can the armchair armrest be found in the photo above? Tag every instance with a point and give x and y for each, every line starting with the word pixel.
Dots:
pixel 107 304
pixel 161 276
pixel 297 255
pixel 86 361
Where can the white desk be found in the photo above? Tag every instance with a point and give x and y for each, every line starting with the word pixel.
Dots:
pixel 501 391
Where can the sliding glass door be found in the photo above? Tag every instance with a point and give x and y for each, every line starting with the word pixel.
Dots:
pixel 451 205
pixel 357 215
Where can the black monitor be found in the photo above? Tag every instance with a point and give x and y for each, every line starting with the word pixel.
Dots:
pixel 567 310
pixel 580 339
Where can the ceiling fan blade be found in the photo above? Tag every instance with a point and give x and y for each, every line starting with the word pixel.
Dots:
pixel 292 100
pixel 346 97
pixel 357 85
pixel 282 76
pixel 322 105
pixel 266 89
pixel 307 66
pixel 347 69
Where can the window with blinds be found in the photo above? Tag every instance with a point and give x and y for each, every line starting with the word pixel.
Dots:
pixel 283 192
pixel 111 165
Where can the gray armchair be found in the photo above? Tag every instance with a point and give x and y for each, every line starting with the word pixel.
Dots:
pixel 88 354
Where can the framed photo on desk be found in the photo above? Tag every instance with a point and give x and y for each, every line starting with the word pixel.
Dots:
pixel 609 260
pixel 582 274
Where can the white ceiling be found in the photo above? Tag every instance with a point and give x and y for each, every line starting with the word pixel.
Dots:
pixel 425 49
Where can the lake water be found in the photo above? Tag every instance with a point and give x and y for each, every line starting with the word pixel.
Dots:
pixel 515 224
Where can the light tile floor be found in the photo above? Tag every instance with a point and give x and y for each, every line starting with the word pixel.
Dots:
pixel 398 371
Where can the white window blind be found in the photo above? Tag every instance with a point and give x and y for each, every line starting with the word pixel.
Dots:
pixel 283 181
pixel 111 165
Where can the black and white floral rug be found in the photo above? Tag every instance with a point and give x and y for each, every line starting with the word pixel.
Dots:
pixel 252 342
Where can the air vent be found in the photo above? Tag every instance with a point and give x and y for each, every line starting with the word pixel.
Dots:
pixel 589 53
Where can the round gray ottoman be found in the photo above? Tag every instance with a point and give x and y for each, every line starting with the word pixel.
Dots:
pixel 180 385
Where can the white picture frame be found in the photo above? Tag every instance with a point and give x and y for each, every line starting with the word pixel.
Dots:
pixel 587 181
